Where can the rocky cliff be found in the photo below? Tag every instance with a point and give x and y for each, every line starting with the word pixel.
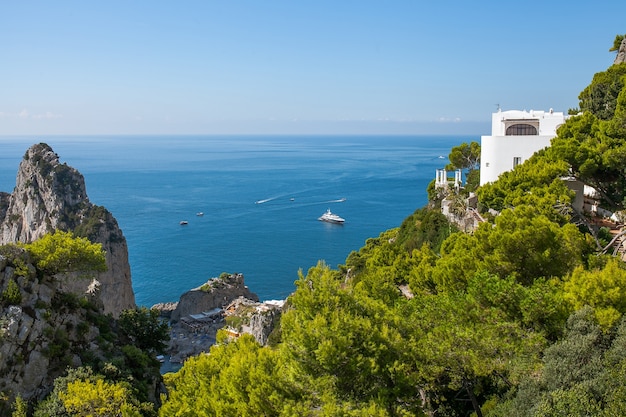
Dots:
pixel 215 293
pixel 45 330
pixel 260 322
pixel 42 330
pixel 50 196
pixel 621 53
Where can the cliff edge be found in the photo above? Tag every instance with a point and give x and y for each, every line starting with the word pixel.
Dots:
pixel 51 196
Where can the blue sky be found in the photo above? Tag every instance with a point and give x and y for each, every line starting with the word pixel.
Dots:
pixel 310 67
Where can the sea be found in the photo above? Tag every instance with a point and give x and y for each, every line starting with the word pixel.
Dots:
pixel 251 203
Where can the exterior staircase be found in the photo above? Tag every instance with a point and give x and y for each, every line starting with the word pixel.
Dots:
pixel 619 243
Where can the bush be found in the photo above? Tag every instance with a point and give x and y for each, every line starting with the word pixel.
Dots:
pixel 62 252
pixel 12 294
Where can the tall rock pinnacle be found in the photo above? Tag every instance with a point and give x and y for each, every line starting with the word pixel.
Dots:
pixel 620 58
pixel 51 196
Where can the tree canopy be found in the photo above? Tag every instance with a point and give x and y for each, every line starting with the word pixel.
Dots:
pixel 61 252
pixel 465 156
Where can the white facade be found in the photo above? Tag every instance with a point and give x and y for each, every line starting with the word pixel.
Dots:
pixel 515 136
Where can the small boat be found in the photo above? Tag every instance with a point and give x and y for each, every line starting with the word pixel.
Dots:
pixel 331 218
pixel 199 214
pixel 184 222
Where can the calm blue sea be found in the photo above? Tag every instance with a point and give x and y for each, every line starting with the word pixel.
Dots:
pixel 260 195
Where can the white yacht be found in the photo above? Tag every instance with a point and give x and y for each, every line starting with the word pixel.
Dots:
pixel 331 218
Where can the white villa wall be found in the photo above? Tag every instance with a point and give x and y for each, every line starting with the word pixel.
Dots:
pixel 497 153
pixel 498 150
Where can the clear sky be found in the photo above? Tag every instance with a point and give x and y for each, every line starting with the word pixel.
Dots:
pixel 274 66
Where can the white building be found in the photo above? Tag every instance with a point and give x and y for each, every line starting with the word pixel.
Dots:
pixel 515 136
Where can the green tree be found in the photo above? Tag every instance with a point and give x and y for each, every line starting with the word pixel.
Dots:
pixel 616 43
pixel 600 97
pixel 465 156
pixel 572 380
pixel 463 347
pixel 602 289
pixel 424 226
pixel 238 378
pixel 346 342
pixel 61 252
pixel 537 182
pixel 20 408
pixel 596 154
pixel 98 399
pixel 12 295
pixel 528 246
pixel 143 328
pixel 524 243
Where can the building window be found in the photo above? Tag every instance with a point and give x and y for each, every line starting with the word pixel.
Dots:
pixel 521 130
pixel 516 161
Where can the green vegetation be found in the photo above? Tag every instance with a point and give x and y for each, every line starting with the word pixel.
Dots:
pixel 119 379
pixel 466 157
pixel 12 294
pixel 83 393
pixel 143 328
pixel 61 252
pixel 616 43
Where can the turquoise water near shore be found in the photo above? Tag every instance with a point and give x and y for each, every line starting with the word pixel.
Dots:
pixel 260 197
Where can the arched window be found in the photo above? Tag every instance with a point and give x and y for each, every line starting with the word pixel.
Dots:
pixel 521 130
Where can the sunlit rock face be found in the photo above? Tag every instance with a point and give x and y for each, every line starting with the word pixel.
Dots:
pixel 621 53
pixel 50 196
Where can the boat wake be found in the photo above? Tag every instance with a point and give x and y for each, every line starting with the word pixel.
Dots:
pixel 300 202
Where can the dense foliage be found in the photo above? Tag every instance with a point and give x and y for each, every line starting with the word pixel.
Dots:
pixel 61 252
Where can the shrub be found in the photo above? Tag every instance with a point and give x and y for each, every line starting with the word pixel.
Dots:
pixel 62 252
pixel 12 294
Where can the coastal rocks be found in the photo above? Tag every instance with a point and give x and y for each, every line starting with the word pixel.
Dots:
pixel 215 293
pixel 196 333
pixel 51 196
pixel 165 309
pixel 220 303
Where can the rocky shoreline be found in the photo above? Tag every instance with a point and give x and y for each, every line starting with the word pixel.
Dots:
pixel 224 302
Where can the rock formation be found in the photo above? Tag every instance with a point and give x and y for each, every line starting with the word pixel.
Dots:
pixel 621 53
pixel 263 321
pixel 51 196
pixel 215 293
pixel 42 330
pixel 45 330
